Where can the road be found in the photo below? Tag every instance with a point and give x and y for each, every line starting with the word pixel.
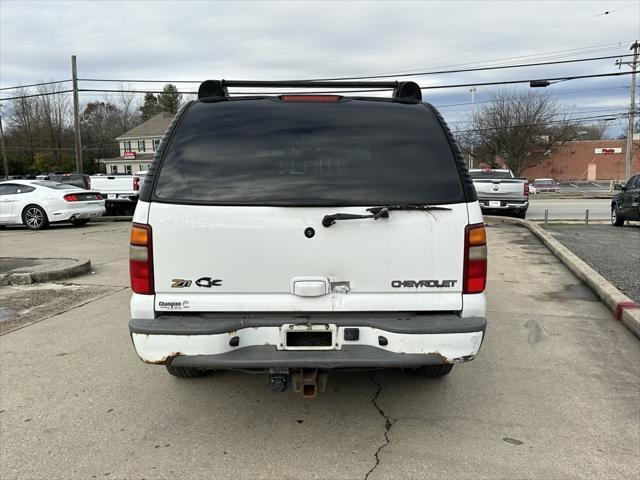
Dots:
pixel 554 392
pixel 568 208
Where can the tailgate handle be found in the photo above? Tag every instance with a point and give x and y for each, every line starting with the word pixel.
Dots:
pixel 309 286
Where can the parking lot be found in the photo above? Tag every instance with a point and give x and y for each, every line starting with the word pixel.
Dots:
pixel 555 392
pixel 612 251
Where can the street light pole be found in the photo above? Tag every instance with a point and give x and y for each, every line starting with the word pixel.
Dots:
pixel 76 115
pixel 473 104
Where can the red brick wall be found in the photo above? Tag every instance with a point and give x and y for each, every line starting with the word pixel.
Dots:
pixel 571 162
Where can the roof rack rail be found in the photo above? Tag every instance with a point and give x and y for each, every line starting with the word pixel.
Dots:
pixel 219 88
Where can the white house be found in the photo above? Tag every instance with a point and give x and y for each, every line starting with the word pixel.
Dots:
pixel 138 145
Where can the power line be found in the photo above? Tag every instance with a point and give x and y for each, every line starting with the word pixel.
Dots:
pixel 551 55
pixel 367 77
pixel 36 95
pixel 35 85
pixel 508 82
pixel 430 87
pixel 567 115
pixel 476 69
pixel 594 117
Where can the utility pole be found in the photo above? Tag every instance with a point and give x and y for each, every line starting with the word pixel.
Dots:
pixel 76 115
pixel 4 150
pixel 632 109
pixel 473 105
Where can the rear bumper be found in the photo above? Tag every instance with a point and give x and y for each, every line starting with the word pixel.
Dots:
pixel 78 212
pixel 505 204
pixel 384 340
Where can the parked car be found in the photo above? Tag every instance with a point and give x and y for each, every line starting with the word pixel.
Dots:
pixel 37 203
pixel 541 185
pixel 625 205
pixel 499 191
pixel 75 179
pixel 119 191
pixel 299 234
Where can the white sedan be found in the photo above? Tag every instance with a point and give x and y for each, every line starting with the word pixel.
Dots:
pixel 37 203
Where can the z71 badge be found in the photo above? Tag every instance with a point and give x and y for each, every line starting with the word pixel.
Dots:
pixel 206 282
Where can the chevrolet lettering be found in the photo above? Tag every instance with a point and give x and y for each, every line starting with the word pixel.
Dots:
pixel 423 283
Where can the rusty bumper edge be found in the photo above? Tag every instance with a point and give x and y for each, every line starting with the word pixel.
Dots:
pixel 353 356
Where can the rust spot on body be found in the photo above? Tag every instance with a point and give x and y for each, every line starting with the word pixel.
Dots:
pixel 164 360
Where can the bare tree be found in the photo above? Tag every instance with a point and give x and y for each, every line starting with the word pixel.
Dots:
pixel 55 113
pixel 520 130
pixel 23 119
pixel 128 106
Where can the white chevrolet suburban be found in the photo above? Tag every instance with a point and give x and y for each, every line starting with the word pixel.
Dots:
pixel 296 234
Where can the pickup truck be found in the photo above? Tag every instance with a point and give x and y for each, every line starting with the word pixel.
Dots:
pixel 120 192
pixel 499 191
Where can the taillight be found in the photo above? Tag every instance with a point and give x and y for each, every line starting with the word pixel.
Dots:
pixel 136 184
pixel 526 189
pixel 70 198
pixel 99 197
pixel 310 98
pixel 141 259
pixel 475 259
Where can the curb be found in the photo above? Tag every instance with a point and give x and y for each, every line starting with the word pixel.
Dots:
pixel 80 266
pixel 621 306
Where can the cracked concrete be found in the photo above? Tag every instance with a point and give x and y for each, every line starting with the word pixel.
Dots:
pixel 388 423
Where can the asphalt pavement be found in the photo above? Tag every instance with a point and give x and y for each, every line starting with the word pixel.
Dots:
pixel 554 392
pixel 613 252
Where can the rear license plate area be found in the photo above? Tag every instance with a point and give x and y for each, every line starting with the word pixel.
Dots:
pixel 307 337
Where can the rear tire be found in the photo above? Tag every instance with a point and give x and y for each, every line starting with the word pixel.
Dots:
pixel 78 222
pixel 434 371
pixel 616 219
pixel 186 372
pixel 34 217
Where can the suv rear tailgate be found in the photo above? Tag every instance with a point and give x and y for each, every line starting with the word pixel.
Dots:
pixel 248 257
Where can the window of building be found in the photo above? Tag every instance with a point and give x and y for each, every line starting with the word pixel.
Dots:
pixel 141 146
pixel 114 169
pixel 127 146
pixel 127 169
pixel 156 143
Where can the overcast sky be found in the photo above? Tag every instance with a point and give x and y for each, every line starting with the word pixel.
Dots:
pixel 195 40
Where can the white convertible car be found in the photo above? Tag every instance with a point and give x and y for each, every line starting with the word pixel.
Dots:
pixel 37 203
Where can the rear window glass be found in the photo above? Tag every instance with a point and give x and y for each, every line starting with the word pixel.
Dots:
pixel 489 174
pixel 266 152
pixel 54 185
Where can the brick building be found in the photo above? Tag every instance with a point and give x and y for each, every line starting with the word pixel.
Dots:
pixel 587 160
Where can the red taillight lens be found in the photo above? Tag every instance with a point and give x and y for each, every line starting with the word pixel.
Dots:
pixel 70 198
pixel 99 197
pixel 141 259
pixel 310 98
pixel 136 184
pixel 475 259
pixel 526 189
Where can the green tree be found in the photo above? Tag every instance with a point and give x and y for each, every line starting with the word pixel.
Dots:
pixel 170 99
pixel 150 106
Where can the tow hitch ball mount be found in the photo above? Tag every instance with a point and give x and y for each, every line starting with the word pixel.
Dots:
pixel 306 381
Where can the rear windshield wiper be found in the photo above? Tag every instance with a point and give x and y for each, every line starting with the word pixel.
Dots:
pixel 377 212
